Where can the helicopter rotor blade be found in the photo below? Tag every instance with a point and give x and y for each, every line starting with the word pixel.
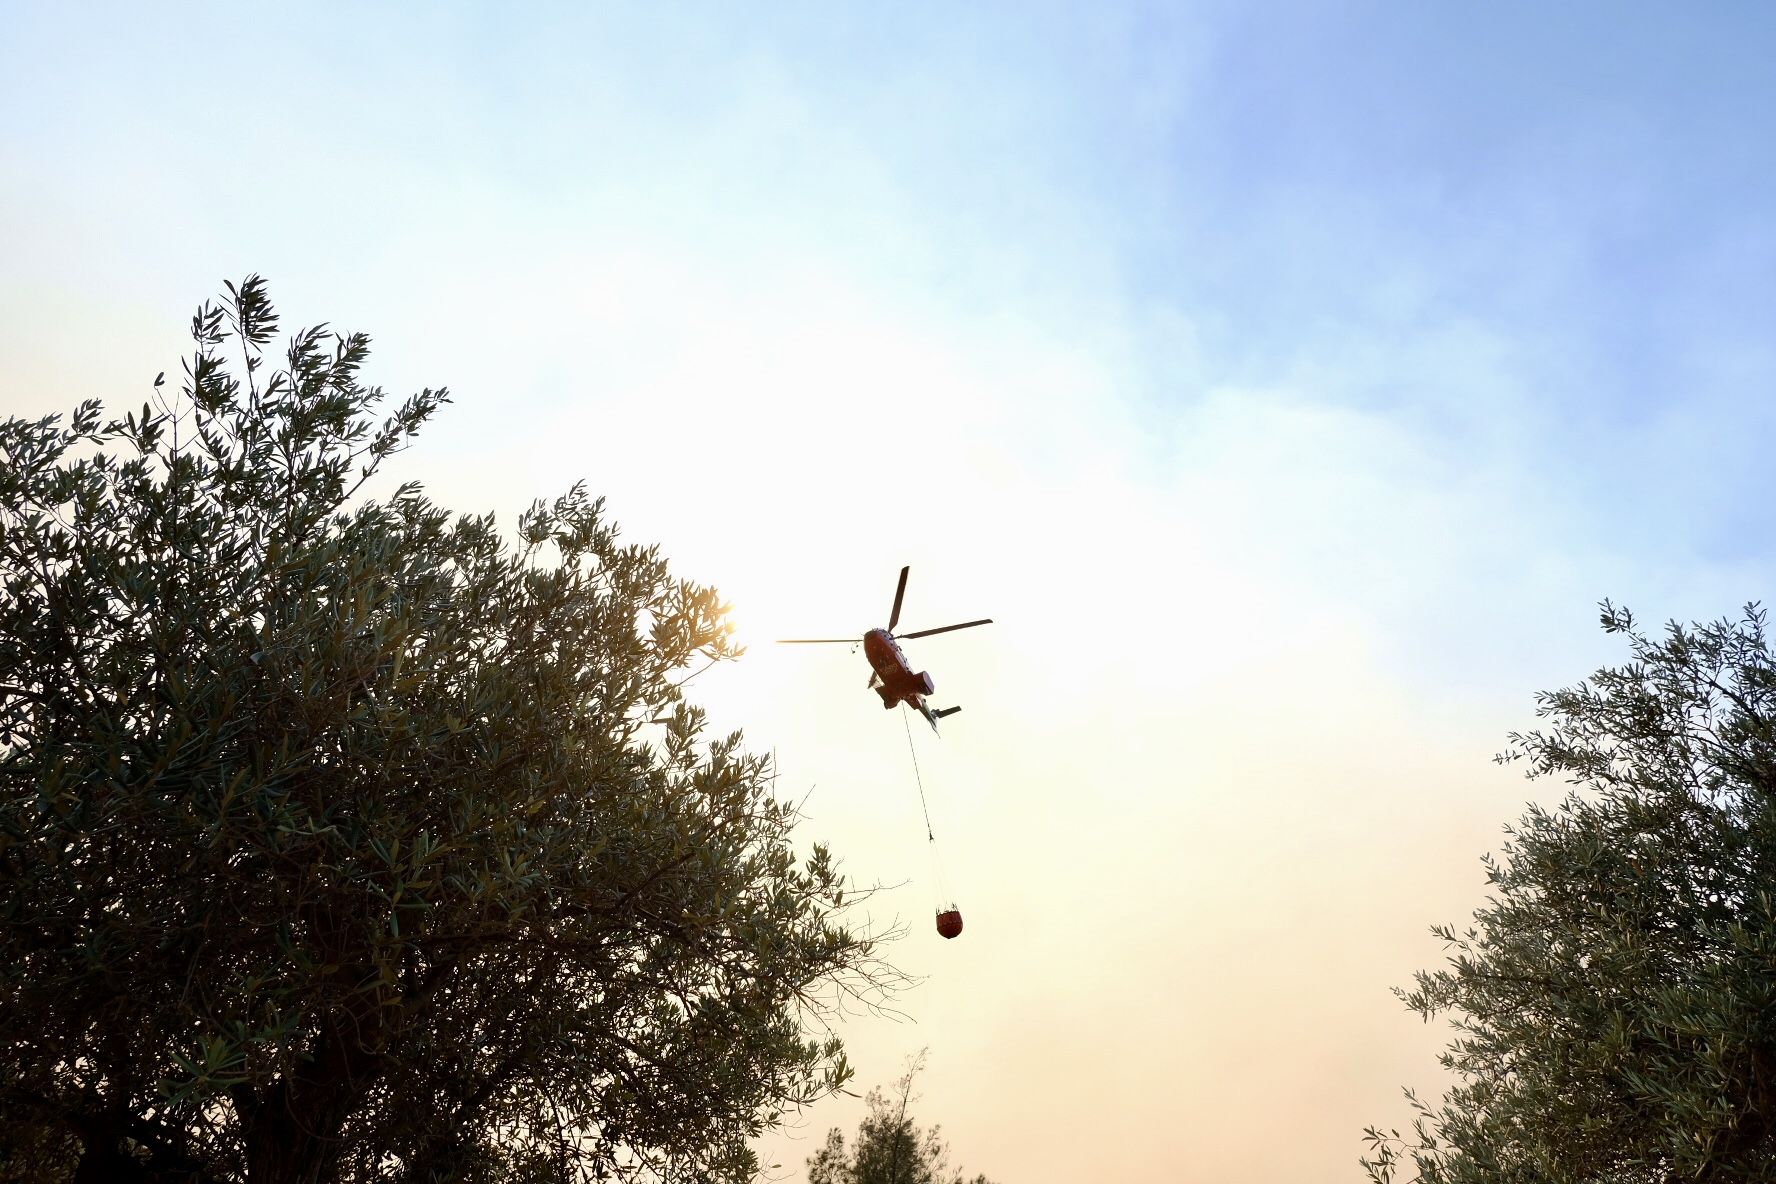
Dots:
pixel 899 591
pixel 817 641
pixel 946 628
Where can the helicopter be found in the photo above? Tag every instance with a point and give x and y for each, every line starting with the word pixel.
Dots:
pixel 891 675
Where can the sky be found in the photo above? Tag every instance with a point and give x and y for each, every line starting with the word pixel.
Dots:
pixel 1288 382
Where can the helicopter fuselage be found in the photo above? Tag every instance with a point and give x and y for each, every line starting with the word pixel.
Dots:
pixel 899 684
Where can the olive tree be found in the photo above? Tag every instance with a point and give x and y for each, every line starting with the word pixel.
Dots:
pixel 890 1148
pixel 345 839
pixel 1614 1001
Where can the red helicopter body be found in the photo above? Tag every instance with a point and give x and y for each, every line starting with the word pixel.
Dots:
pixel 895 681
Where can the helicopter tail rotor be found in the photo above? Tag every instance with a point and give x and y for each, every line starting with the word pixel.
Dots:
pixel 932 714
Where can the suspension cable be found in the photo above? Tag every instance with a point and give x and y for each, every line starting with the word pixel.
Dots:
pixel 916 777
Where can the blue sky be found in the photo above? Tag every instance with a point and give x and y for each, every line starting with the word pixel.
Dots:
pixel 1288 382
pixel 1356 199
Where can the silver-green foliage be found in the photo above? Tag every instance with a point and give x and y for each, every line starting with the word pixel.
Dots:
pixel 342 839
pixel 1614 1002
pixel 890 1147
